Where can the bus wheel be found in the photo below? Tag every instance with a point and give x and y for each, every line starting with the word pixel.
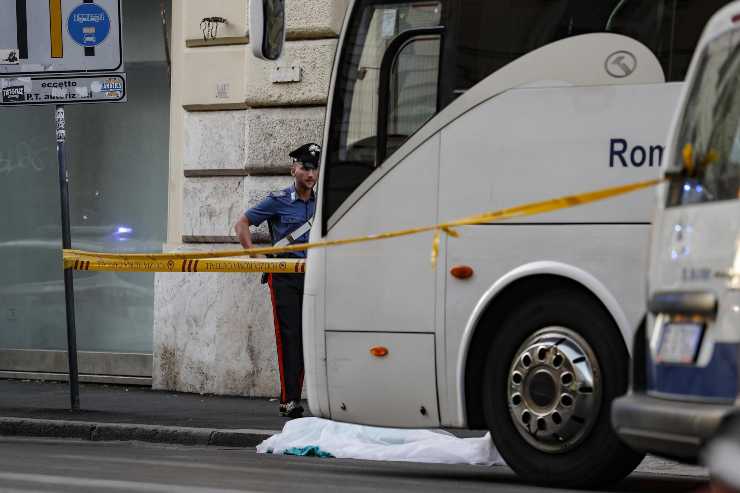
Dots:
pixel 553 369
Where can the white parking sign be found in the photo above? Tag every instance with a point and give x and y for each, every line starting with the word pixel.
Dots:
pixel 59 36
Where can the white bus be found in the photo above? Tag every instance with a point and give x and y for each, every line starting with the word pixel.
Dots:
pixel 439 109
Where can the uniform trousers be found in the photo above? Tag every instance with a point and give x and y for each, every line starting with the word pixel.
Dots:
pixel 286 291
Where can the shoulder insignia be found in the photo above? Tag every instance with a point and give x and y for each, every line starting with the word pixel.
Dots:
pixel 278 193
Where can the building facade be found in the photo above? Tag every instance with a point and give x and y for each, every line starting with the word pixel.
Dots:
pixel 233 120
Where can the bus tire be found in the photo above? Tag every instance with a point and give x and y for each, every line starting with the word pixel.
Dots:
pixel 554 366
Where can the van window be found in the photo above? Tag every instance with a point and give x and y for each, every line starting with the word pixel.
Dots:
pixel 708 143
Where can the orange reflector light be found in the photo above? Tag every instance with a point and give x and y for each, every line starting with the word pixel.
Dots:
pixel 379 351
pixel 461 271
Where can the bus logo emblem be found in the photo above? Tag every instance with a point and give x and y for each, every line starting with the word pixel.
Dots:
pixel 621 64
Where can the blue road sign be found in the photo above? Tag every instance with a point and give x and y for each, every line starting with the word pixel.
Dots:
pixel 88 25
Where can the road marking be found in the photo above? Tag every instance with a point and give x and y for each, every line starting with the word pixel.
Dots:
pixel 657 465
pixel 12 490
pixel 152 462
pixel 106 483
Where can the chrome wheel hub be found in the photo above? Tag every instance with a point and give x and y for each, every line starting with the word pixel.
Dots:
pixel 554 389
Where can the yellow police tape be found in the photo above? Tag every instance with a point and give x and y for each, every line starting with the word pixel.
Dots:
pixel 290 266
pixel 188 261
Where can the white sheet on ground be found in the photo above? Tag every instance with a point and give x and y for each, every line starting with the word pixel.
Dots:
pixel 350 441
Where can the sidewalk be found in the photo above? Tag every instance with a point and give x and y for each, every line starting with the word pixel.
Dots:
pixel 113 412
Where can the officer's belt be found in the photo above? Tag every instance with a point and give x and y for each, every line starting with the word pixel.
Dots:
pixel 293 236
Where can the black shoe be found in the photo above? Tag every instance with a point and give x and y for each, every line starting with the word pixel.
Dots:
pixel 292 409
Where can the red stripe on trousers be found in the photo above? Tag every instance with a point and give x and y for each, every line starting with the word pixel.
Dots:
pixel 278 339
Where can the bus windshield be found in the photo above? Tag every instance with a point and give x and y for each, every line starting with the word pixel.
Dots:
pixel 708 151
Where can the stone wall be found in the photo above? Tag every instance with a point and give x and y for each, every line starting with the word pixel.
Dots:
pixel 231 130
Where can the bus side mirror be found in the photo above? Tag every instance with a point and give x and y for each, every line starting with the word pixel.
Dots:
pixel 267 28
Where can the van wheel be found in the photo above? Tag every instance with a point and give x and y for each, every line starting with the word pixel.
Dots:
pixel 553 369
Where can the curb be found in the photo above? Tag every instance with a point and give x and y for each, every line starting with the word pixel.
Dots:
pixel 98 432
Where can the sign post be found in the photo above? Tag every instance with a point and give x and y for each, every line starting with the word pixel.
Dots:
pixel 56 53
pixel 69 294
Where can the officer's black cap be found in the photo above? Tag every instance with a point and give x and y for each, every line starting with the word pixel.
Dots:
pixel 309 155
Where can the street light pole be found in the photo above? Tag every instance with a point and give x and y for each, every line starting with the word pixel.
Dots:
pixel 74 385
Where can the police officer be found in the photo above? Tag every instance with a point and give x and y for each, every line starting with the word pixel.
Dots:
pixel 289 213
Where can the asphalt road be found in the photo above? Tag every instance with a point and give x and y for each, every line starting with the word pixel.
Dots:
pixel 35 465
